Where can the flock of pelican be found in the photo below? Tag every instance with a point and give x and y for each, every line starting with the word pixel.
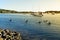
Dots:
pixel 45 21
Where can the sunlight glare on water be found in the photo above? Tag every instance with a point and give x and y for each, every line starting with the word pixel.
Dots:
pixel 32 28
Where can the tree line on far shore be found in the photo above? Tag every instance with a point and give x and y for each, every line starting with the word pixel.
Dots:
pixel 13 11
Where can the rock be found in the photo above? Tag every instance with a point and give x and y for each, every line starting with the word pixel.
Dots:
pixel 9 35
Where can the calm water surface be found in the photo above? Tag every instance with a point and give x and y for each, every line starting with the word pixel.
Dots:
pixel 32 30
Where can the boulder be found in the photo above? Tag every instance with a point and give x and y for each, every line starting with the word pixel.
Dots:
pixel 9 35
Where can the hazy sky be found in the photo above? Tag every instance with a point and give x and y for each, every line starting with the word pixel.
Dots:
pixel 30 5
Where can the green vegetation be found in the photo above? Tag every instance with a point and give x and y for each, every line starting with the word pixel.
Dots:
pixel 52 11
pixel 7 11
pixel 13 11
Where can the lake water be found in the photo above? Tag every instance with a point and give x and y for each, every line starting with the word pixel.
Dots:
pixel 32 30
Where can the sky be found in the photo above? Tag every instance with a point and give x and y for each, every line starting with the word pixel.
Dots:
pixel 30 5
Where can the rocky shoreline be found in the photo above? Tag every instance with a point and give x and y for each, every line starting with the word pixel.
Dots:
pixel 6 34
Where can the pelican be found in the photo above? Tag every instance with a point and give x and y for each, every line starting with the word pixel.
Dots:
pixel 26 21
pixel 10 20
pixel 49 23
pixel 39 22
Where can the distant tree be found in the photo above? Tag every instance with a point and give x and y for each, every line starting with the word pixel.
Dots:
pixel 0 11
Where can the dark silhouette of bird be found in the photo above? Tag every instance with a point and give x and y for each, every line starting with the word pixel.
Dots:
pixel 39 22
pixel 26 21
pixel 10 20
pixel 49 23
